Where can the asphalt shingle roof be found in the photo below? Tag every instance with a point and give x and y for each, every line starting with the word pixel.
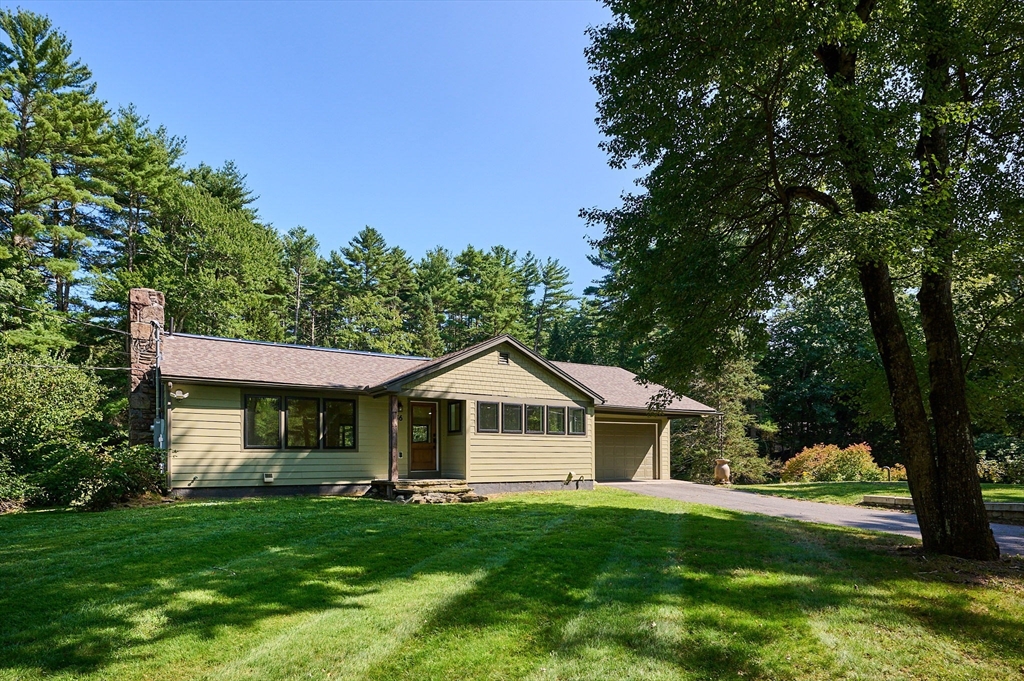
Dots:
pixel 206 358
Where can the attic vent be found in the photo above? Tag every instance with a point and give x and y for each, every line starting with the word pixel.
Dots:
pixel 502 358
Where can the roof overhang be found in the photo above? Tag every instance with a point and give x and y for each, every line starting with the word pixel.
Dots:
pixel 262 384
pixel 663 413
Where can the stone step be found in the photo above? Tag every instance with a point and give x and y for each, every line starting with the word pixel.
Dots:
pixel 461 489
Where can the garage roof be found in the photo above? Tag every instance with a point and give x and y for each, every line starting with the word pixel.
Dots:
pixel 623 391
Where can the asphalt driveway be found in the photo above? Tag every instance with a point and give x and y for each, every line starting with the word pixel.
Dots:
pixel 1010 537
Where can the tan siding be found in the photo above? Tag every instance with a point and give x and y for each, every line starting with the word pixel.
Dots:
pixel 206 444
pixel 522 377
pixel 453 452
pixel 506 457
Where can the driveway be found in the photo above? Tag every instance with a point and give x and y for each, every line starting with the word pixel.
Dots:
pixel 1010 537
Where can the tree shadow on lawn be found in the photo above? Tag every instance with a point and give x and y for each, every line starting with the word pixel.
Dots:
pixel 710 594
pixel 565 576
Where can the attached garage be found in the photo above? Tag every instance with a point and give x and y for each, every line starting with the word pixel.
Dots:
pixel 626 451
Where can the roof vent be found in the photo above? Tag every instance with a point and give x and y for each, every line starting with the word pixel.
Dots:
pixel 502 358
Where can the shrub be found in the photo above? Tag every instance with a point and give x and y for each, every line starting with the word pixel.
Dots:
pixel 92 478
pixel 1000 458
pixel 14 489
pixel 801 467
pixel 897 471
pixel 829 463
pixel 43 410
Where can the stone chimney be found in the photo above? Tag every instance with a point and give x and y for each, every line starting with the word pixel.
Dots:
pixel 145 306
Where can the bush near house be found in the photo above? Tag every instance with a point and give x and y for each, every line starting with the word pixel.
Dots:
pixel 829 463
pixel 14 489
pixel 57 446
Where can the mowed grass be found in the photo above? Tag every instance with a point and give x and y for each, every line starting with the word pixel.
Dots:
pixel 852 493
pixel 576 585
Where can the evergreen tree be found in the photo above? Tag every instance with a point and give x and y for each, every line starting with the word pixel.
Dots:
pixel 51 148
pixel 553 307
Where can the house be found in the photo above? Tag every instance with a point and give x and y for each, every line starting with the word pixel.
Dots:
pixel 245 417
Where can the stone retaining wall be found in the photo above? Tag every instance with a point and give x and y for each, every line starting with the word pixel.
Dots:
pixel 998 512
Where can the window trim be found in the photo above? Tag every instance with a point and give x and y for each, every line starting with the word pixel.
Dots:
pixel 521 424
pixel 245 421
pixel 543 419
pixel 547 421
pixel 568 421
pixel 458 404
pixel 497 429
pixel 323 424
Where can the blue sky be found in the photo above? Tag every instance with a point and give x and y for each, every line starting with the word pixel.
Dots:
pixel 440 123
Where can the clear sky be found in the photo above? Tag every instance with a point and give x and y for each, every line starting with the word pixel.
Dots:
pixel 438 123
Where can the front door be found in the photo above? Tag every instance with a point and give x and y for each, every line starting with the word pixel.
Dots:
pixel 424 437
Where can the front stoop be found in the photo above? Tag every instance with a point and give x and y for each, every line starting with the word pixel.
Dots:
pixel 435 491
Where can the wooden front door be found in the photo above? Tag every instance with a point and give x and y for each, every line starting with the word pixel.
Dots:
pixel 423 437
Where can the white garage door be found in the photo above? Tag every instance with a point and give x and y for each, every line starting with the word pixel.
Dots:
pixel 625 451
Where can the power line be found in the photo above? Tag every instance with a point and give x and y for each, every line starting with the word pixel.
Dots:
pixel 63 366
pixel 72 321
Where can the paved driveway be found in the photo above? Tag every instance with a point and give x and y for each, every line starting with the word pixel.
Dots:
pixel 1010 537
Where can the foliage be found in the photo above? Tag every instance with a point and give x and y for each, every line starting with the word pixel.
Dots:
pixel 800 142
pixel 829 463
pixel 90 476
pixel 43 409
pixel 14 488
pixel 733 392
pixel 1000 458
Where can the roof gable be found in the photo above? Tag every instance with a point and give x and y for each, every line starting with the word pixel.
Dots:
pixel 448 362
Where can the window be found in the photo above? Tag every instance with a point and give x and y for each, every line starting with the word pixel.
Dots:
pixel 262 422
pixel 487 417
pixel 299 423
pixel 339 424
pixel 577 421
pixel 302 423
pixel 455 417
pixel 534 418
pixel 511 418
pixel 556 420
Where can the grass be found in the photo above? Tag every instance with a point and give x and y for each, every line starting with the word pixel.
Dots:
pixel 601 585
pixel 851 493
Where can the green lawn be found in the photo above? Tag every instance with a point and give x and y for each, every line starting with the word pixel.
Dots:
pixel 602 585
pixel 851 493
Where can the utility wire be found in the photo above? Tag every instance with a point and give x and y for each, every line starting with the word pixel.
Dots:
pixel 63 366
pixel 72 321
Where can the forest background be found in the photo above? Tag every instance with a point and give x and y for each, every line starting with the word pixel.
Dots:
pixel 95 199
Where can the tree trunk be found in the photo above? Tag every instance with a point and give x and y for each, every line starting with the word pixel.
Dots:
pixel 907 405
pixel 968 534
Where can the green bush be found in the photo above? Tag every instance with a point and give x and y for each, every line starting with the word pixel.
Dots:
pixel 14 489
pixel 829 463
pixel 1000 458
pixel 92 478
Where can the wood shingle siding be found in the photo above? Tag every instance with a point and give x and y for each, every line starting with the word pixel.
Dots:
pixel 206 444
pixel 485 376
pixel 519 457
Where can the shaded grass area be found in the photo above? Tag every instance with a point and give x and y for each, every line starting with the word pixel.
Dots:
pixel 596 585
pixel 851 493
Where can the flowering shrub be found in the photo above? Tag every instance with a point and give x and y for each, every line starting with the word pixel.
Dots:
pixel 829 463
pixel 897 472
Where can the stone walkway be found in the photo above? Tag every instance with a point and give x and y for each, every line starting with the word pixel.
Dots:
pixel 1010 537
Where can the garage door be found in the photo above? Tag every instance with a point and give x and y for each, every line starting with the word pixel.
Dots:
pixel 625 451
